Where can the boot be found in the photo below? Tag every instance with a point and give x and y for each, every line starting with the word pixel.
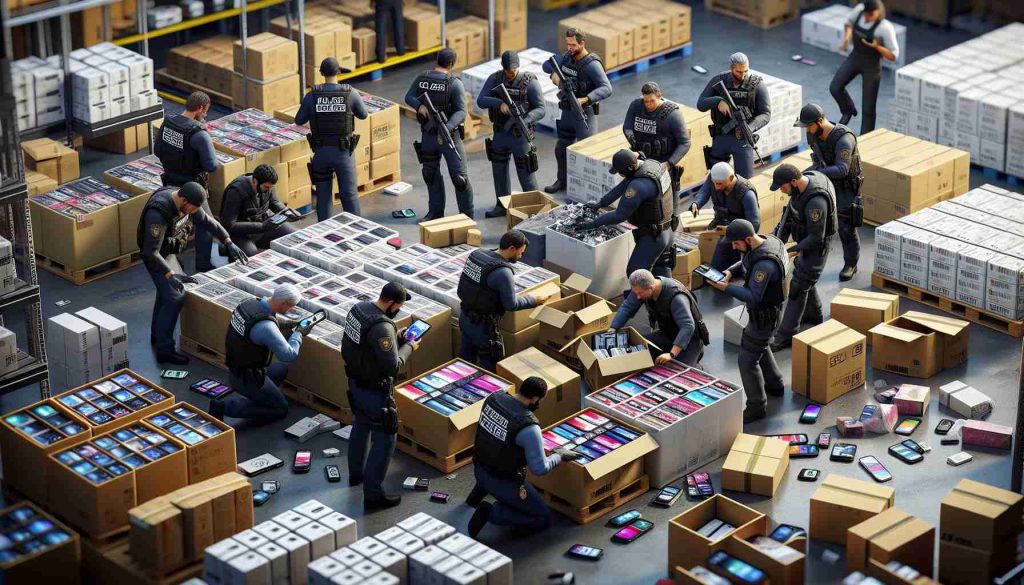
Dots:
pixel 174 358
pixel 750 414
pixel 382 503
pixel 847 273
pixel 476 496
pixel 496 211
pixel 479 519
pixel 431 215
pixel 555 187
pixel 780 344
pixel 216 410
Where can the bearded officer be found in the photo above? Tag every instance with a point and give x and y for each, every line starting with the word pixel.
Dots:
pixel 751 96
pixel 331 109
pixel 168 219
pixel 509 140
pixel 811 220
pixel 655 127
pixel 374 351
pixel 590 85
pixel 733 197
pixel 508 442
pixel 448 95
pixel 834 154
pixel 645 200
pixel 249 206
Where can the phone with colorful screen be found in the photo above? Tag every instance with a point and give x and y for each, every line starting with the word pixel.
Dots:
pixel 875 468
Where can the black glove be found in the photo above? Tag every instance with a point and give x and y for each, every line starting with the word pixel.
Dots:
pixel 268 224
pixel 304 327
pixel 236 254
pixel 178 281
pixel 567 455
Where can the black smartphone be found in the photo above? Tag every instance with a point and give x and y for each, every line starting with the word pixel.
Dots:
pixel 727 565
pixel 907 426
pixel 913 445
pixel 798 451
pixel 632 532
pixel 875 468
pixel 271 486
pixel 415 331
pixel 824 439
pixel 844 452
pixel 587 553
pixel 439 497
pixel 905 454
pixel 867 412
pixel 943 427
pixel 886 396
pixel 403 213
pixel 624 518
pixel 302 461
pixel 332 473
pixel 810 414
pixel 709 273
pixel 260 497
pixel 808 474
pixel 668 496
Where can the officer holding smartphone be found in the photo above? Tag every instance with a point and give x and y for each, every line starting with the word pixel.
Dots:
pixel 374 351
pixel 249 207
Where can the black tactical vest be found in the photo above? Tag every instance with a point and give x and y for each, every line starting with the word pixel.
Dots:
pixel 501 419
pixel 179 227
pixel 659 312
pixel 576 74
pixel 818 185
pixel 827 151
pixel 867 33
pixel 743 96
pixel 473 291
pixel 357 348
pixel 243 357
pixel 729 206
pixel 173 146
pixel 517 90
pixel 255 206
pixel 653 212
pixel 437 88
pixel 650 131
pixel 772 249
pixel 332 118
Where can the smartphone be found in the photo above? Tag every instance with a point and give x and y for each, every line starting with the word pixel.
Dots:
pixel 808 474
pixel 303 458
pixel 632 532
pixel 313 319
pixel 797 451
pixel 258 465
pixel 332 473
pixel 728 565
pixel 913 445
pixel 810 414
pixel 415 331
pixel 211 388
pixel 785 532
pixel 844 452
pixel 907 426
pixel 710 273
pixel 943 427
pixel 587 553
pixel 797 439
pixel 174 374
pixel 260 497
pixel 875 468
pixel 278 219
pixel 271 486
pixel 668 496
pixel 624 518
pixel 824 439
pixel 886 396
pixel 867 412
pixel 403 213
pixel 905 454
pixel 439 497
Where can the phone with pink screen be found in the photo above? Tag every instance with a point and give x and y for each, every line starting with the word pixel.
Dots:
pixel 632 532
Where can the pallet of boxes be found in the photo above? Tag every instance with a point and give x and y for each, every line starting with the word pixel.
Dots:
pixel 266 73
pixel 84 346
pixel 626 31
pixel 468 36
pixel 760 13
pixel 509 22
pixel 327 34
pixel 206 65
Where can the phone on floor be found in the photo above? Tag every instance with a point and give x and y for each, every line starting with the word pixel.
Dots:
pixel 959 458
pixel 260 497
pixel 271 486
pixel 824 439
pixel 313 319
pixel 886 396
pixel 211 388
pixel 439 497
pixel 943 427
pixel 332 473
pixel 844 452
pixel 867 412
pixel 728 565
pixel 907 426
pixel 258 465
pixel 587 553
pixel 303 458
pixel 875 468
pixel 905 454
pixel 710 273
pixel 808 474
pixel 810 414
pixel 403 213
pixel 913 445
pixel 798 451
pixel 624 518
pixel 174 374
pixel 632 532
pixel 699 486
pixel 668 496
pixel 417 330
pixel 797 439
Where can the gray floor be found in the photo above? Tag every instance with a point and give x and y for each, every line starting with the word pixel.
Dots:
pixel 992 366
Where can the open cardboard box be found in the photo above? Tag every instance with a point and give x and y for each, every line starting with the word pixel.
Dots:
pixel 563 397
pixel 600 372
pixel 840 503
pixel 214 455
pixel 516 321
pixel 881 572
pixel 863 309
pixel 919 345
pixel 688 548
pixel 576 313
pixel 789 571
pixel 522 206
pixel 134 415
pixel 57 564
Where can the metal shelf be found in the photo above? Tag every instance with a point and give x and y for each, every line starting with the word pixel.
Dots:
pixel 90 131
pixel 51 10
pixel 30 370
pixel 194 22
pixel 14 191
pixel 24 293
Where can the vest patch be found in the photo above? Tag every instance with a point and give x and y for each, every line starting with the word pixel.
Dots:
pixel 494 423
pixel 174 138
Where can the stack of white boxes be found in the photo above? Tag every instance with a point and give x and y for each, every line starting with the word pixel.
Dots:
pixel 8 269
pixel 786 99
pixel 73 351
pixel 37 91
pixel 824 29
pixel 113 339
pixel 8 351
pixel 530 60
pixel 966 97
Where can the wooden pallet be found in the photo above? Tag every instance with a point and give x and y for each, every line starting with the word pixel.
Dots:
pixel 445 463
pixel 112 563
pixel 208 355
pixel 763 21
pixel 86 275
pixel 317 402
pixel 646 62
pixel 956 308
pixel 185 86
pixel 378 184
pixel 606 504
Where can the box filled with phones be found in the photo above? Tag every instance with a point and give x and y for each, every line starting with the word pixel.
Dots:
pixel 117 399
pixel 703 529
pixel 607 357
pixel 840 503
pixel 563 397
pixel 209 443
pixel 576 313
pixel 47 548
pixel 770 555
pixel 893 535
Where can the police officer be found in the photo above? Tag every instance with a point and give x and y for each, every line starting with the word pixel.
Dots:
pixel 253 340
pixel 874 39
pixel 383 11
pixel 834 154
pixel 585 74
pixel 248 208
pixel 655 127
pixel 810 218
pixel 645 200
pixel 733 197
pixel 679 330
pixel 374 351
pixel 508 442
pixel 751 96
pixel 764 264
pixel 509 140
pixel 487 291
pixel 186 153
pixel 448 95
pixel 331 109
pixel 167 222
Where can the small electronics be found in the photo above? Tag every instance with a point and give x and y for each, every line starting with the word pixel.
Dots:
pixel 905 454
pixel 258 465
pixel 875 469
pixel 844 452
pixel 867 412
pixel 260 497
pixel 271 486
pixel 737 569
pixel 632 532
pixel 211 388
pixel 279 218
pixel 886 396
pixel 959 459
pixel 416 484
pixel 943 427
pixel 710 273
pixel 785 533
pixel 698 486
pixel 301 462
pixel 913 445
pixel 587 553
pixel 668 496
pixel 624 518
pixel 174 374
pixel 810 414
pixel 824 439
pixel 798 451
pixel 907 426
pixel 415 331
pixel 332 473
pixel 313 319
pixel 439 497
pixel 808 474
pixel 798 439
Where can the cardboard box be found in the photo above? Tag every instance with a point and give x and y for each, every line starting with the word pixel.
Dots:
pixel 687 548
pixel 422 28
pixel 893 535
pixel 522 206
pixel 446 231
pixel 919 345
pixel 52 159
pixel 861 309
pixel 755 465
pixel 963 565
pixel 788 570
pixel 135 415
pixel 841 503
pixel 267 56
pixel 986 434
pixel 269 95
pixel 912 400
pixel 213 510
pixel 61 562
pixel 79 243
pixel 828 361
pixel 574 315
pixel 211 457
pixel 364 43
pixel 980 517
pixel 600 372
pixel 129 213
pixel 563 397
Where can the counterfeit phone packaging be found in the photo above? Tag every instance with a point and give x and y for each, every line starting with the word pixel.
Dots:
pixel 326 423
pixel 344 433
pixel 965 400
pixel 303 430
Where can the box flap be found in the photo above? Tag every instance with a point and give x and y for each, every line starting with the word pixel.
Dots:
pixel 629 452
pixel 820 332
pixel 944 325
pixel 583 352
pixel 41 149
pixel 838 489
pixel 533 362
pixel 550 316
pixel 594 312
pixel 577 282
pixel 468 416
pixel 898 333
pixel 981 498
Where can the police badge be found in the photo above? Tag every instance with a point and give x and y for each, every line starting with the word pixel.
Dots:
pixel 759 276
pixel 154 230
pixel 815 215
pixel 385 343
pixel 630 193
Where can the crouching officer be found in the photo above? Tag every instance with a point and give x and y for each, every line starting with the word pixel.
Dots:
pixel 733 197
pixel 645 200
pixel 374 352
pixel 448 96
pixel 487 291
pixel 655 127
pixel 750 95
pixel 764 291
pixel 810 218
pixel 168 219
pixel 331 109
pixel 679 329
pixel 248 208
pixel 513 126
pixel 508 441
pixel 253 340
pixel 834 154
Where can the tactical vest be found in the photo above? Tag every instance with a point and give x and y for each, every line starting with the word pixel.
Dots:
pixel 818 185
pixel 473 291
pixel 867 34
pixel 576 74
pixel 246 359
pixel 827 151
pixel 729 206
pixel 655 211
pixel 255 206
pixel 743 96
pixel 332 118
pixel 174 149
pixel 659 312
pixel 650 131
pixel 178 227
pixel 357 348
pixel 437 88
pixel 501 419
pixel 517 90
pixel 775 294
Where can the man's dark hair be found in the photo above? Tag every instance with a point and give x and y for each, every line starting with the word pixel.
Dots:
pixel 446 57
pixel 581 37
pixel 196 100
pixel 265 174
pixel 512 239
pixel 650 88
pixel 395 292
pixel 534 387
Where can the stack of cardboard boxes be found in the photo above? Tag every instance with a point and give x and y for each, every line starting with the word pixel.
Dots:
pixel 824 29
pixel 8 351
pixel 326 35
pixel 509 23
pixel 8 268
pixel 530 61
pixel 786 99
pixel 468 36
pixel 629 30
pixel 828 361
pixel 51 158
pixel 57 555
pixel 207 64
pixel 85 346
pixel 266 73
pixel 978 530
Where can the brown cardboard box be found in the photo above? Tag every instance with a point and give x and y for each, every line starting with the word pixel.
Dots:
pixel 38 183
pixel 446 231
pixel 422 28
pixel 511 35
pixel 963 565
pixel 788 570
pixel 267 95
pixel 687 548
pixel 755 464
pixel 893 535
pixel 316 370
pixel 133 416
pixel 522 206
pixel 577 313
pixel 52 159
pixel 686 263
pixel 384 166
pixel 213 456
pixel 57 564
pixel 563 397
pixel 474 237
pixel 919 344
pixel 156 534
pixel 513 342
pixel 828 361
pixel 213 510
pixel 884 574
pixel 840 503
pixel 364 43
pixel 79 244
pixel 981 516
pixel 268 57
pixel 122 142
pixel 708 243
pixel 600 372
pixel 862 309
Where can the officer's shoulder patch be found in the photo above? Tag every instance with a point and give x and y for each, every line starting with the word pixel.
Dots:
pixel 845 155
pixel 155 229
pixel 630 193
pixel 385 343
pixel 759 275
pixel 815 215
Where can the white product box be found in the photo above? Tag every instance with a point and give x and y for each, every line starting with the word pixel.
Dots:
pixel 48 80
pixel 604 264
pixel 968 142
pixel 347 556
pixel 298 556
pixel 92 113
pixel 50 115
pixel 119 107
pixel 1005 293
pixel 366 568
pixel 344 528
pixel 497 566
pixel 406 544
pixel 278 559
pixel 270 530
pixel 74 343
pixel 972 275
pixel 367 546
pixel 313 509
pixel 251 539
pixel 923 126
pixel 967 401
pixel 248 568
pixel 465 574
pixel 933 92
pixel 942 276
pixel 216 557
pixel 899 118
pixel 992 117
pixel 383 578
pixel 81 54
pixel 908 86
pixel 991 154
pixel 8 350
pixel 140 73
pixel 320 537
pixel 1015 124
pixel 421 564
pixel 394 562
pixel 968 105
pixel 914 254
pixel 348 577
pixel 117 73
pixel 322 570
pixel 291 520
pixel 90 81
pixel 95 61
pixel 457 543
pixel 144 99
pixel 888 246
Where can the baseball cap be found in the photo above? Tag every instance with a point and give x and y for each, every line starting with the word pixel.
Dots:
pixel 623 160
pixel 193 193
pixel 395 291
pixel 783 174
pixel 329 67
pixel 509 60
pixel 809 114
pixel 738 230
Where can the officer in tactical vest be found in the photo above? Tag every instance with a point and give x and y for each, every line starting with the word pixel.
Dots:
pixel 253 339
pixel 810 218
pixel 874 39
pixel 186 153
pixel 834 154
pixel 645 200
pixel 508 442
pixel 733 197
pixel 249 209
pixel 446 92
pixel 655 127
pixel 487 291
pixel 751 96
pixel 374 351
pixel 331 109
pixel 585 75
pixel 168 219
pixel 510 141
pixel 679 329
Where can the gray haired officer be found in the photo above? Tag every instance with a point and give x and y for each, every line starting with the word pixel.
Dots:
pixel 733 197
pixel 751 96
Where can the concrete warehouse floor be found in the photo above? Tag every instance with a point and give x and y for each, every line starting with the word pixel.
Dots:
pixel 992 366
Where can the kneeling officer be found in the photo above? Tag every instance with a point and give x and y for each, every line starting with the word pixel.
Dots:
pixel 249 206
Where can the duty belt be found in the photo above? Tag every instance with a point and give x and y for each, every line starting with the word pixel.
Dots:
pixel 654 229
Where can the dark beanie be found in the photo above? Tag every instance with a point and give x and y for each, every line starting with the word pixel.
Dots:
pixel 193 192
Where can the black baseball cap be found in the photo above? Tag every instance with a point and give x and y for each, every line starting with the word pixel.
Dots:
pixel 395 291
pixel 870 5
pixel 193 192
pixel 809 114
pixel 446 57
pixel 783 174
pixel 330 67
pixel 509 60
pixel 622 161
pixel 738 230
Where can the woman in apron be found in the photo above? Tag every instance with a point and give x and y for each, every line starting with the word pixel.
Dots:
pixel 873 38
